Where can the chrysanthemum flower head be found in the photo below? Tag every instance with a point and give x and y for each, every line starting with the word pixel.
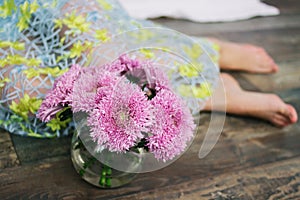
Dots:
pixel 61 94
pixel 174 126
pixel 94 84
pixel 128 104
pixel 119 120
pixel 123 64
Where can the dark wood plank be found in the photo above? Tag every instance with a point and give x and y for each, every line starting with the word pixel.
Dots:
pixel 243 26
pixel 280 180
pixel 257 144
pixel 281 44
pixel 36 149
pixel 246 84
pixel 252 159
pixel 286 6
pixel 286 79
pixel 247 142
pixel 187 177
pixel 8 156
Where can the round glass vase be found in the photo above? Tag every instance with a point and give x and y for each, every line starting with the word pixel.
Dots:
pixel 95 172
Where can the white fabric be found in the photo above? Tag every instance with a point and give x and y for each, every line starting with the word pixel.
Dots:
pixel 198 10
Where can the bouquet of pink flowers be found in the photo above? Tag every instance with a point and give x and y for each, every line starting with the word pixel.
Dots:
pixel 129 104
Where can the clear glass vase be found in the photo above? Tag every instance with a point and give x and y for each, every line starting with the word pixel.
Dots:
pixel 95 172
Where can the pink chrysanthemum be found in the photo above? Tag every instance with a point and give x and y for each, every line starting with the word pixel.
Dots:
pixel 119 120
pixel 156 77
pixel 141 73
pixel 121 114
pixel 94 84
pixel 123 64
pixel 173 128
pixel 148 74
pixel 60 96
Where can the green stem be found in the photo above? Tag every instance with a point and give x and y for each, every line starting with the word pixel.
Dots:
pixel 86 165
pixel 106 172
pixel 105 179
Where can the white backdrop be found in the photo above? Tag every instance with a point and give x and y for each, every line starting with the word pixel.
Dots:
pixel 199 10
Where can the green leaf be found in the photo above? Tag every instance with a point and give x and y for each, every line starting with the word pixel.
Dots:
pixel 147 53
pixel 25 106
pixel 193 52
pixel 190 70
pixel 102 35
pixel 33 7
pixel 7 8
pixel 57 123
pixel 76 24
pixel 3 81
pixel 143 35
pixel 202 91
pixel 15 45
pixel 33 62
pixel 105 5
pixel 76 50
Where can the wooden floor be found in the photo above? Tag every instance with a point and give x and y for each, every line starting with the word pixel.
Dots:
pixel 252 159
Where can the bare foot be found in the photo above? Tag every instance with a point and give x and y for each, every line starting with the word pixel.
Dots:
pixel 245 57
pixel 265 106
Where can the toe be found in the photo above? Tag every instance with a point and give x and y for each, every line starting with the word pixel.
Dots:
pixel 289 112
pixel 280 121
pixel 273 66
pixel 292 113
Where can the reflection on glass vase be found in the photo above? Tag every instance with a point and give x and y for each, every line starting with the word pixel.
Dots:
pixel 95 172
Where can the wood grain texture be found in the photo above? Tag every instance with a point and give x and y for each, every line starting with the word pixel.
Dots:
pixel 273 181
pixel 286 6
pixel 237 153
pixel 252 159
pixel 218 29
pixel 36 149
pixel 287 78
pixel 8 156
